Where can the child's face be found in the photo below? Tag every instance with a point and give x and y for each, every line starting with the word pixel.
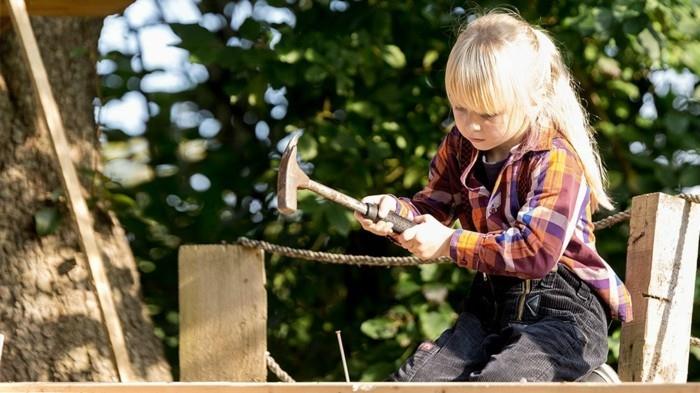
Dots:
pixel 487 132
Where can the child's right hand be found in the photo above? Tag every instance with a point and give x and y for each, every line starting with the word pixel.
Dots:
pixel 386 204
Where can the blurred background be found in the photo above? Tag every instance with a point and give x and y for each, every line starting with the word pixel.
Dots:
pixel 197 100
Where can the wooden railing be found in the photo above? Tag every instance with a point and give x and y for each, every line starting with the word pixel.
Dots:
pixel 223 300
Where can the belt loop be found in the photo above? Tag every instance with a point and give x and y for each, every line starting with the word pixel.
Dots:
pixel 548 280
pixel 583 291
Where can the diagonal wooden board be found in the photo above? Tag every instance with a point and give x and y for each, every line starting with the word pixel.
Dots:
pixel 50 117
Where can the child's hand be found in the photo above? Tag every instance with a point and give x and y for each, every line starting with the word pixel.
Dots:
pixel 427 239
pixel 386 204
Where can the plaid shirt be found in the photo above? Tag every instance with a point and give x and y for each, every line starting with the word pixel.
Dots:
pixel 538 214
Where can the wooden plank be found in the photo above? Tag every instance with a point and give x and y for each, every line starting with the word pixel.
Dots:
pixel 71 7
pixel 223 313
pixel 662 254
pixel 379 387
pixel 49 117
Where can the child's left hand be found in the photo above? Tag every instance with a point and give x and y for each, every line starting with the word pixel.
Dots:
pixel 427 239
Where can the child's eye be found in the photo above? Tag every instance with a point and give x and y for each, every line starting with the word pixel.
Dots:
pixel 488 116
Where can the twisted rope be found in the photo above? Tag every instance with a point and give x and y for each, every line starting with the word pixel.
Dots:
pixel 612 220
pixel 367 260
pixel 690 197
pixel 625 215
pixel 329 257
pixel 276 369
pixel 695 342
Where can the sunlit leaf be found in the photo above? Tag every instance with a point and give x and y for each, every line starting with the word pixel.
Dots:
pixel 394 57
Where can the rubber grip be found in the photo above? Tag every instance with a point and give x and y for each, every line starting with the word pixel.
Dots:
pixel 400 223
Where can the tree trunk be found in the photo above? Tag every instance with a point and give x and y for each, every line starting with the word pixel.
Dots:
pixel 49 310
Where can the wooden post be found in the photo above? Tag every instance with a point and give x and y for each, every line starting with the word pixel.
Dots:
pixel 662 253
pixel 223 314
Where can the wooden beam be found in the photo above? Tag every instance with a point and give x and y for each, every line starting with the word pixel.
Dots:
pixel 325 387
pixel 223 313
pixel 49 117
pixel 71 7
pixel 662 254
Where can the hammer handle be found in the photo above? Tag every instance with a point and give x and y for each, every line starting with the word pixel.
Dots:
pixel 369 210
pixel 400 223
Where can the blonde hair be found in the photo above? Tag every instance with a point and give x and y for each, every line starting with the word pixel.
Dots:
pixel 502 64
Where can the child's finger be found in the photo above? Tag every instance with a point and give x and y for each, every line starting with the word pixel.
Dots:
pixel 419 219
pixel 409 234
pixel 387 227
pixel 386 205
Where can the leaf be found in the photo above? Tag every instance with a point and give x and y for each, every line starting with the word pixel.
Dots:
pixel 204 45
pixel 429 272
pixel 379 150
pixel 379 328
pixel 413 175
pixel 406 286
pixel 676 123
pixel 435 292
pixel 339 219
pixel 122 202
pixel 363 108
pixel 307 148
pixel 46 220
pixel 429 58
pixel 250 30
pixel 629 89
pixel 647 40
pixel 691 57
pixel 603 19
pixel 393 56
pixel 432 323
pixel 633 26
pixel 690 176
pixel 315 73
pixel 377 372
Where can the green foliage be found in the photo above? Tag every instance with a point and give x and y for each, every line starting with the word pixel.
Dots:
pixel 365 87
pixel 46 220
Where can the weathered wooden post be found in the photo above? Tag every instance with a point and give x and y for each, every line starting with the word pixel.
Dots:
pixel 662 254
pixel 223 313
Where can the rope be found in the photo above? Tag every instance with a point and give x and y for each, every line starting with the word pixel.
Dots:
pixel 694 342
pixel 690 197
pixel 612 220
pixel 625 215
pixel 329 257
pixel 276 369
pixel 367 260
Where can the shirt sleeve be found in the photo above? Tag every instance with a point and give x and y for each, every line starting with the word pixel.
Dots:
pixel 440 196
pixel 543 227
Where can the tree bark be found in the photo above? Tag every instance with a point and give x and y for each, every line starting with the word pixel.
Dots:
pixel 49 311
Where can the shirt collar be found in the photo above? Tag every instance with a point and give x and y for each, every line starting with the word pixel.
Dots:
pixel 541 141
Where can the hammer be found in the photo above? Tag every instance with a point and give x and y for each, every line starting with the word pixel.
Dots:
pixel 291 178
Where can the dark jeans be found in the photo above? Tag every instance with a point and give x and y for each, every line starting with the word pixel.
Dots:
pixel 551 329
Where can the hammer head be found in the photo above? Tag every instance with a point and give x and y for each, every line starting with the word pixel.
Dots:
pixel 290 178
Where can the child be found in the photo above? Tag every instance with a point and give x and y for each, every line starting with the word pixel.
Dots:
pixel 521 172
